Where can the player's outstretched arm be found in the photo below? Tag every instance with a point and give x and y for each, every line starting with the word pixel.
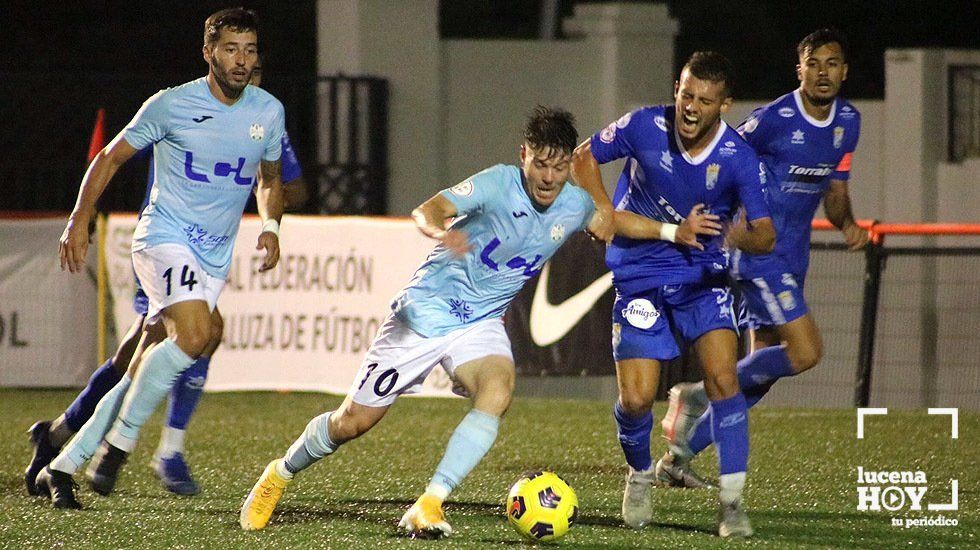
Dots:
pixel 698 222
pixel 74 241
pixel 759 237
pixel 837 206
pixel 585 172
pixel 269 199
pixel 430 217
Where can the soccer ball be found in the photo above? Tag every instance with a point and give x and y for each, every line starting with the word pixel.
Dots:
pixel 541 506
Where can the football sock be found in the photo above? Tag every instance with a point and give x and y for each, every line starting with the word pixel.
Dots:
pixel 730 431
pixel 758 372
pixel 86 441
pixel 157 373
pixel 469 443
pixel 103 379
pixel 634 437
pixel 756 375
pixel 184 397
pixel 730 486
pixel 312 445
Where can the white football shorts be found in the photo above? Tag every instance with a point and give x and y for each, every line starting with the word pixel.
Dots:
pixel 399 358
pixel 169 273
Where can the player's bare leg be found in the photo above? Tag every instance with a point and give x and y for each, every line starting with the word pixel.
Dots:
pixel 637 379
pixel 322 436
pixel 489 382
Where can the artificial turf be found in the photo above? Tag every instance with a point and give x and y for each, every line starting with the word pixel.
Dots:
pixel 801 491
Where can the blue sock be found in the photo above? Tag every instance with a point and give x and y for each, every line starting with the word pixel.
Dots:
pixel 314 444
pixel 730 431
pixel 701 435
pixel 86 441
pixel 470 441
pixel 758 372
pixel 157 373
pixel 186 394
pixel 634 437
pixel 81 409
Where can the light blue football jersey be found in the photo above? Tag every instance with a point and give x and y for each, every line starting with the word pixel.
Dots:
pixel 205 158
pixel 511 241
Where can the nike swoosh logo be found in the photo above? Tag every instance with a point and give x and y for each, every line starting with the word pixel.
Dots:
pixel 550 322
pixel 202 118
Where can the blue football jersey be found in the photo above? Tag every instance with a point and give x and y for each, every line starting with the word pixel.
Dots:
pixel 663 182
pixel 205 159
pixel 511 241
pixel 803 155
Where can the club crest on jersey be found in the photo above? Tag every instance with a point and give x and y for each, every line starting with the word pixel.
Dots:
pixel 711 176
pixel 557 232
pixel 838 137
pixel 256 132
pixel 463 188
pixel 797 137
pixel 661 123
pixel 786 112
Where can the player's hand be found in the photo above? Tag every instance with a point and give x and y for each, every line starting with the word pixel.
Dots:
pixel 270 242
pixel 74 244
pixel 602 226
pixel 855 237
pixel 698 222
pixel 456 242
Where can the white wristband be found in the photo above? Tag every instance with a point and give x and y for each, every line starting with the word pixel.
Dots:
pixel 668 232
pixel 272 226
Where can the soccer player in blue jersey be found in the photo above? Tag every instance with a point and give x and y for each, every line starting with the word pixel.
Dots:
pixel 806 139
pixel 210 137
pixel 677 157
pixel 508 221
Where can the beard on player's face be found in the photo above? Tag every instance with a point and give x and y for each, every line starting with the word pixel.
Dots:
pixel 232 77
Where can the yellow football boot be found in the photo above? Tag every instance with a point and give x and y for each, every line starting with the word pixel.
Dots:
pixel 262 500
pixel 425 519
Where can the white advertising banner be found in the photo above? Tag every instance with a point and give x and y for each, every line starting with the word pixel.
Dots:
pixel 306 324
pixel 47 317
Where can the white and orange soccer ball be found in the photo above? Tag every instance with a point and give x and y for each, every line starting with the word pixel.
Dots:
pixel 541 506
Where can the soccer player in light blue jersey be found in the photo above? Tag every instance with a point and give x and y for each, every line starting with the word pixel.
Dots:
pixel 507 222
pixel 169 461
pixel 678 157
pixel 210 138
pixel 806 139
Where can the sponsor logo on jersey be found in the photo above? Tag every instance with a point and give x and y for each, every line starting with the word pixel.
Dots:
pixel 624 120
pixel 797 137
pixel 202 118
pixel 847 112
pixel 667 161
pixel 608 134
pixel 661 122
pixel 728 149
pixel 519 214
pixel 786 112
pixel 462 189
pixel 804 171
pixel 557 232
pixel 789 280
pixel 640 313
pixel 711 176
pixel 838 137
pixel 786 300
pixel 256 132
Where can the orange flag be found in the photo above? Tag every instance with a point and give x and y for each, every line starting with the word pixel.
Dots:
pixel 98 135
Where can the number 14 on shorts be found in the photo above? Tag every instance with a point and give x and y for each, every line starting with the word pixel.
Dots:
pixel 186 278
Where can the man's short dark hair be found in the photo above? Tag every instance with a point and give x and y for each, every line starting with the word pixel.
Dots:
pixel 551 127
pixel 234 19
pixel 819 38
pixel 714 67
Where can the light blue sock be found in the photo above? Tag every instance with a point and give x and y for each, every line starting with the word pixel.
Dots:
pixel 469 443
pixel 157 373
pixel 86 441
pixel 314 444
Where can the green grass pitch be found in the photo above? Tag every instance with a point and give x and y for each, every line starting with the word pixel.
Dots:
pixel 801 490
